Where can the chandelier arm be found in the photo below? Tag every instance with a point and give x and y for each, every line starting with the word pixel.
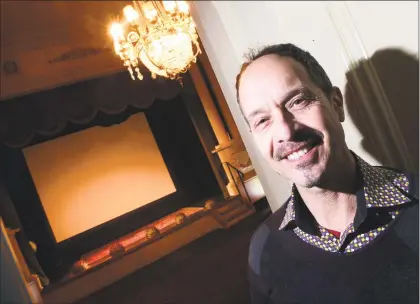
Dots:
pixel 138 5
pixel 159 9
pixel 142 18
pixel 198 49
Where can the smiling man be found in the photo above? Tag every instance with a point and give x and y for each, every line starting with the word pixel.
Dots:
pixel 349 231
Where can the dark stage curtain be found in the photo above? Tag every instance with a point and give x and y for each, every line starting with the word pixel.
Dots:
pixel 48 113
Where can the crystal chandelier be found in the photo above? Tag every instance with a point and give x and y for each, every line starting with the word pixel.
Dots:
pixel 160 34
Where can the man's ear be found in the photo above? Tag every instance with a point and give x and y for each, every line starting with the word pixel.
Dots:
pixel 337 103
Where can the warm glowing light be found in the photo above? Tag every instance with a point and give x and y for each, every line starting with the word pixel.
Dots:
pixel 169 6
pixel 150 14
pixel 183 7
pixel 172 51
pixel 130 13
pixel 149 11
pixel 116 31
pixel 159 34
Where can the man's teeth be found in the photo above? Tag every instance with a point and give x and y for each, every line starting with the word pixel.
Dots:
pixel 296 155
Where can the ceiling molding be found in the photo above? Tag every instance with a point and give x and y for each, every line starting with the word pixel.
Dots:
pixel 77 54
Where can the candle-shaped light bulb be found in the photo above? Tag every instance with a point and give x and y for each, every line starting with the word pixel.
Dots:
pixel 130 13
pixel 116 31
pixel 169 6
pixel 150 13
pixel 182 6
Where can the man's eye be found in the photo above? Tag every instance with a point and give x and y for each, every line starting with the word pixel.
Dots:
pixel 261 121
pixel 299 103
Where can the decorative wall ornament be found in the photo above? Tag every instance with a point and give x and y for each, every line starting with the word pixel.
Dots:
pixel 79 267
pixel 180 218
pixel 136 240
pixel 116 250
pixel 10 67
pixel 210 204
pixel 152 232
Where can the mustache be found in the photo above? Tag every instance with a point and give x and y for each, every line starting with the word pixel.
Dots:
pixel 301 138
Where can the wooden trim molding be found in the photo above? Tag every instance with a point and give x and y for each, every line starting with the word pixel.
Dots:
pixel 369 89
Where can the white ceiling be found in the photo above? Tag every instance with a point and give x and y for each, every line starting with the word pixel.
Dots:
pixel 45 44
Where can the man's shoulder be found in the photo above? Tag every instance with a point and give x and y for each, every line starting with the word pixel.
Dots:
pixel 262 236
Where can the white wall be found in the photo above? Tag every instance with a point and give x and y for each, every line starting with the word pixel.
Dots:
pixel 336 33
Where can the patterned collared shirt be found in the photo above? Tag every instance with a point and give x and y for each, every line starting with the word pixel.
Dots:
pixel 378 203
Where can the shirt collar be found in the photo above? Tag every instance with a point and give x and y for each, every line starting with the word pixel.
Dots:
pixel 379 190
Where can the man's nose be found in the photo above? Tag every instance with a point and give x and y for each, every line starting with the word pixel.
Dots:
pixel 283 126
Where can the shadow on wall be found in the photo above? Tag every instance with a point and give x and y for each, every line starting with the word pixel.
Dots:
pixel 382 97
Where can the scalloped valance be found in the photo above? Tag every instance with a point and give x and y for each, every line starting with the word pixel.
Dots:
pixel 47 113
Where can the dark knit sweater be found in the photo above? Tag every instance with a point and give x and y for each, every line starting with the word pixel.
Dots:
pixel 284 269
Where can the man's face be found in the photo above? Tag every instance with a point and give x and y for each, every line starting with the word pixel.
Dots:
pixel 295 126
